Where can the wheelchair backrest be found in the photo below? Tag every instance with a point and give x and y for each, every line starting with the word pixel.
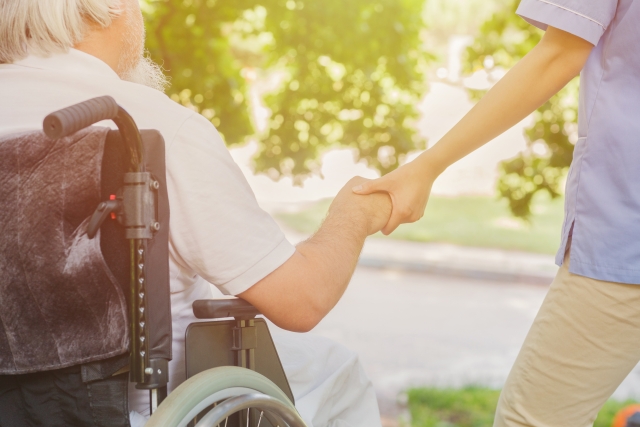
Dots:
pixel 65 298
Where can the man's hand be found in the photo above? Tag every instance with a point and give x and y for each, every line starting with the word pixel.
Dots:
pixel 372 211
pixel 299 293
pixel 409 188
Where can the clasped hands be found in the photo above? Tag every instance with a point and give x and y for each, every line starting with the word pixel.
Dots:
pixel 399 197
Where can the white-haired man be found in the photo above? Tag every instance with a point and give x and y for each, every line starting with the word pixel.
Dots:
pixel 56 53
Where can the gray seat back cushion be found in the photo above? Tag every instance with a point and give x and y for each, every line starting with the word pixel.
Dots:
pixel 60 305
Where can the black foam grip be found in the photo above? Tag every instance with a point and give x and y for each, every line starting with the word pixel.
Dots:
pixel 69 120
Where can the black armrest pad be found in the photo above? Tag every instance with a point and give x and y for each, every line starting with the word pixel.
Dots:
pixel 220 308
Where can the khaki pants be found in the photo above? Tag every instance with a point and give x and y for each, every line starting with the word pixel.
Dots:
pixel 583 343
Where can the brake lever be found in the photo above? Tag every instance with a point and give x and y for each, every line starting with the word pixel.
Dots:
pixel 101 213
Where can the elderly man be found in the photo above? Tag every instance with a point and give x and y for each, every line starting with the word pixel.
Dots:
pixel 56 53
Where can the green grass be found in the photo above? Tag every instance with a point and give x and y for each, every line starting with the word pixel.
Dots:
pixel 467 221
pixel 469 407
pixel 473 407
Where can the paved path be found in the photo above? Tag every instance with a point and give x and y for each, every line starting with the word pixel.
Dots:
pixel 452 260
pixel 449 260
pixel 414 329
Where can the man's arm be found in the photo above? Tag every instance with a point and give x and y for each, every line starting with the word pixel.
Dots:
pixel 298 294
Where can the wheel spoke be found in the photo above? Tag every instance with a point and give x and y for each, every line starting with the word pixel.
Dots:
pixel 260 419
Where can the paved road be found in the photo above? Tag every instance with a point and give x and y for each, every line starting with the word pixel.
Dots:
pixel 414 329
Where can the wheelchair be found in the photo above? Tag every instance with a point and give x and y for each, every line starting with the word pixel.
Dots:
pixel 117 257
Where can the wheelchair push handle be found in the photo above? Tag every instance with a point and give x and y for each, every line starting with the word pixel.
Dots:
pixel 69 120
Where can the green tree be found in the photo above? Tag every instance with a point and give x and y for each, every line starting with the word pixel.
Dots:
pixel 351 73
pixel 506 38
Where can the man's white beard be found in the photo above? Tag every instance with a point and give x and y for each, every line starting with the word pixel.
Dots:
pixel 148 73
pixel 139 68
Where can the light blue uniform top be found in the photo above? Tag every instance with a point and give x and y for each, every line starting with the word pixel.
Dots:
pixel 602 208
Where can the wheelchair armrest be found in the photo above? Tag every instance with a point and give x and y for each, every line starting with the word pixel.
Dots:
pixel 220 308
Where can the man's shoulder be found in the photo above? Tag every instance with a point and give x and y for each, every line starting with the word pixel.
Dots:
pixel 155 110
pixel 152 109
pixel 31 94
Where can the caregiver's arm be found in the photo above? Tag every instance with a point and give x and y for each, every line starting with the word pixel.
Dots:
pixel 540 74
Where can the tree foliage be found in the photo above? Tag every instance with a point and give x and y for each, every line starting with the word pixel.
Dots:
pixel 506 38
pixel 351 73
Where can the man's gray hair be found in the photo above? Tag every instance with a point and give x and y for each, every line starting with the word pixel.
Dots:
pixel 43 27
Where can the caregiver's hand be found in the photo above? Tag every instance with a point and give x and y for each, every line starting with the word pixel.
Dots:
pixel 408 186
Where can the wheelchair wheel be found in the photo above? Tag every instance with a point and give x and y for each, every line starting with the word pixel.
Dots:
pixel 227 396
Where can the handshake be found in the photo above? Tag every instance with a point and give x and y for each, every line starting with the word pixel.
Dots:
pixel 371 212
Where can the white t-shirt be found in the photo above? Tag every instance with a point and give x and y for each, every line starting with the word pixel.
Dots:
pixel 218 231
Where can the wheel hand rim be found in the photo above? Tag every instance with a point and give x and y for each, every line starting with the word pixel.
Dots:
pixel 252 400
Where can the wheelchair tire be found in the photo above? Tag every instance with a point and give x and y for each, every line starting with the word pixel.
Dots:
pixel 201 391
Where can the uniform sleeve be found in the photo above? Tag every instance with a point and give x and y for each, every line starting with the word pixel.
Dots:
pixel 218 231
pixel 587 19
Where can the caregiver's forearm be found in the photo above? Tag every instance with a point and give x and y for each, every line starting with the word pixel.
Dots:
pixel 556 60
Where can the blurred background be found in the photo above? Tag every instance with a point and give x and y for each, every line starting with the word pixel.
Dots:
pixel 308 93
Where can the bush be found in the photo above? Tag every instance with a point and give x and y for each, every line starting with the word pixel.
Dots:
pixel 473 407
